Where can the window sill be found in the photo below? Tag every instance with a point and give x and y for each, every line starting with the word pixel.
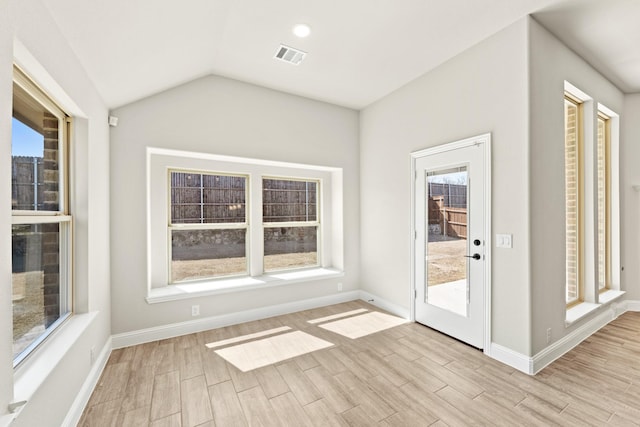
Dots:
pixel 609 296
pixel 35 369
pixel 579 311
pixel 236 284
pixel 583 309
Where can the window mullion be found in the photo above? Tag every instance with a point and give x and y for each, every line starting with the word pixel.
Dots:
pixel 201 198
pixel 256 232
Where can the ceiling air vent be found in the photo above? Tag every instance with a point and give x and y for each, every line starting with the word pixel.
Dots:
pixel 290 55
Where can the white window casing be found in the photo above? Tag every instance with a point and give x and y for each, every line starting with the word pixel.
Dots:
pixel 329 221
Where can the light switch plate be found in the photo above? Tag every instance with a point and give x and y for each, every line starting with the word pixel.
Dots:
pixel 504 241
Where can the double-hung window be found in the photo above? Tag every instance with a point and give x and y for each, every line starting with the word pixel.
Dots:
pixel 220 223
pixel 291 223
pixel 208 225
pixel 41 221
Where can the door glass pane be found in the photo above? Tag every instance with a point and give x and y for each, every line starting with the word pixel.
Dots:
pixel 446 262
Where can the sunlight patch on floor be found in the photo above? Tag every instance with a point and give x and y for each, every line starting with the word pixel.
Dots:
pixel 267 351
pixel 337 316
pixel 366 324
pixel 247 337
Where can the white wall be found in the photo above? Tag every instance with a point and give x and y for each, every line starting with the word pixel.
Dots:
pixel 41 49
pixel 481 90
pixel 6 332
pixel 551 63
pixel 221 116
pixel 630 199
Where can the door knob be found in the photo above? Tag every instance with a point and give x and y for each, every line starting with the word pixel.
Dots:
pixel 474 256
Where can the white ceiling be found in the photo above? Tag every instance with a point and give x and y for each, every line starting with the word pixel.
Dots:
pixel 606 33
pixel 358 51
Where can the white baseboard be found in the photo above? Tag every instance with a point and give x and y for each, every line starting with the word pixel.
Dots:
pixel 80 402
pixel 385 305
pixel 183 328
pixel 533 365
pixel 631 305
pixel 512 358
pixel 568 342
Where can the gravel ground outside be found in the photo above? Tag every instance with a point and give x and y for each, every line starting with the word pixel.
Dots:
pixel 28 308
pixel 446 261
pixel 195 269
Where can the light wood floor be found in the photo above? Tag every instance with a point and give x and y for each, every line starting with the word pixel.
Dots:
pixel 405 376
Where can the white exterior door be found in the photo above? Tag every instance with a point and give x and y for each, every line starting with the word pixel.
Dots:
pixel 450 242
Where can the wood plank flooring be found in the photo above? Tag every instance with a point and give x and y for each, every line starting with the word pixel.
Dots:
pixel 405 376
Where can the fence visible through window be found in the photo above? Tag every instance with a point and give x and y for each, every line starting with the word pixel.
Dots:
pixel 447 202
pixel 291 226
pixel 40 232
pixel 208 225
pixel 448 209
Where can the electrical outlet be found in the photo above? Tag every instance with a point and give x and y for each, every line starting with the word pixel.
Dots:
pixel 195 310
pixel 504 240
pixel 339 287
pixel 548 335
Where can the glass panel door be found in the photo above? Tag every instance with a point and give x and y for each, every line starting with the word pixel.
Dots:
pixel 446 261
pixel 450 226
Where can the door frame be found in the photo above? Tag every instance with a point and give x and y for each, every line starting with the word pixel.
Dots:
pixel 484 139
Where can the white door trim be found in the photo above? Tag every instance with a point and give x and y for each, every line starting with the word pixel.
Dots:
pixel 484 139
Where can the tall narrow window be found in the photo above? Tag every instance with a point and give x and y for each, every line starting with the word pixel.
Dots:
pixel 572 169
pixel 603 200
pixel 41 221
pixel 208 225
pixel 291 224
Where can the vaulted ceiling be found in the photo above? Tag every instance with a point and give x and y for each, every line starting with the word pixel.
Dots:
pixel 358 50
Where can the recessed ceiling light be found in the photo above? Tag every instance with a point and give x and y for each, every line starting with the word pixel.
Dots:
pixel 301 30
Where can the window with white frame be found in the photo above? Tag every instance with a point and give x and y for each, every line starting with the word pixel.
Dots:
pixel 592 226
pixel 603 180
pixel 208 225
pixel 291 223
pixel 41 221
pixel 573 207
pixel 234 222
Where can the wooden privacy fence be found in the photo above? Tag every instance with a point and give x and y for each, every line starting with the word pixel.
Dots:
pixel 27 183
pixel 455 195
pixel 452 221
pixel 201 198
